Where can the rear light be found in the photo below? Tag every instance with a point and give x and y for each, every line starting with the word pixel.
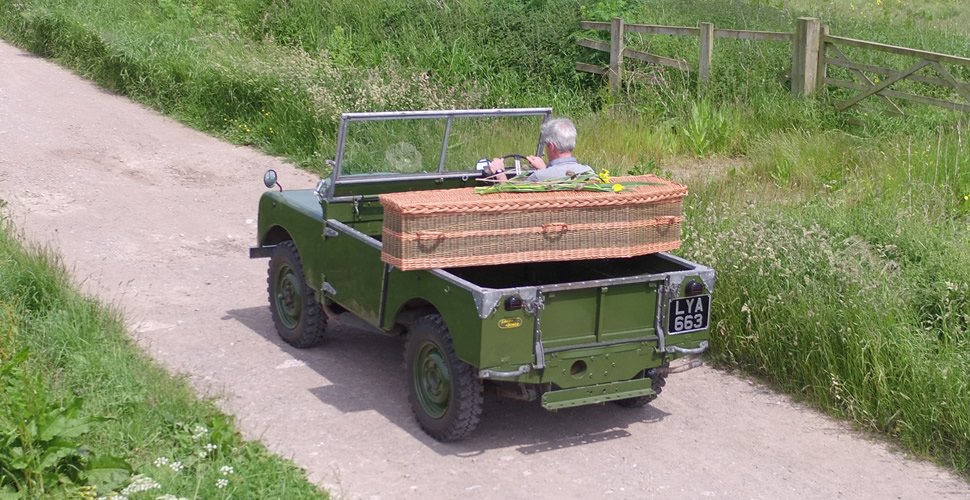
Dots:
pixel 512 303
pixel 694 288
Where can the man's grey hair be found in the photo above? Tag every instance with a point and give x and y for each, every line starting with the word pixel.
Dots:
pixel 560 132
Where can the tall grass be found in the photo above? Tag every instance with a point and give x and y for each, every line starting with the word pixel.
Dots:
pixel 83 412
pixel 847 280
pixel 840 308
pixel 276 74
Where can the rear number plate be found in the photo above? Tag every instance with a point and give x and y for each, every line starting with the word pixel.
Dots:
pixel 689 314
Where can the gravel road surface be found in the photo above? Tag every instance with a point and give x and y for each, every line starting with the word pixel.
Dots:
pixel 156 218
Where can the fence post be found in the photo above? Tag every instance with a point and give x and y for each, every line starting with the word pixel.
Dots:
pixel 707 52
pixel 804 70
pixel 616 54
pixel 823 71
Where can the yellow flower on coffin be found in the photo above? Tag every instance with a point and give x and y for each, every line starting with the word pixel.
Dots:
pixel 618 187
pixel 604 175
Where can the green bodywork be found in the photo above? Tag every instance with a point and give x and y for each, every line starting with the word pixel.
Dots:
pixel 586 333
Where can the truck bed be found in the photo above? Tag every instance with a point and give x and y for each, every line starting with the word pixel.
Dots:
pixel 553 273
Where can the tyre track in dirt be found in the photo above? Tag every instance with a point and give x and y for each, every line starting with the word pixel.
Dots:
pixel 156 218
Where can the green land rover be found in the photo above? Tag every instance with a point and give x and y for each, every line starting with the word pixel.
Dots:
pixel 566 333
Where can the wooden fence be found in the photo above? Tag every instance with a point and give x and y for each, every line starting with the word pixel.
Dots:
pixel 814 50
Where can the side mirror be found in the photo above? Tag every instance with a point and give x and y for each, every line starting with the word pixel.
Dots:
pixel 269 179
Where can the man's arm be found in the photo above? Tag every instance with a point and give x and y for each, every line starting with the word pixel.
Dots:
pixel 537 162
pixel 496 170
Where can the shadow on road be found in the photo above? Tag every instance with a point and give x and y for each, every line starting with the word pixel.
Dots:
pixel 366 373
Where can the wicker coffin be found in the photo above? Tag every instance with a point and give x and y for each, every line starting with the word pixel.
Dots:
pixel 456 227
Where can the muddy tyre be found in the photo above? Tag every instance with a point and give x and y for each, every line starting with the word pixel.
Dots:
pixel 297 315
pixel 445 395
pixel 659 381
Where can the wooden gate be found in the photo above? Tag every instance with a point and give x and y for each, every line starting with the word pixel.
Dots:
pixel 928 69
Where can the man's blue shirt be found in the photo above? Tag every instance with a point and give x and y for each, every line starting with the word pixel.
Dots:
pixel 558 168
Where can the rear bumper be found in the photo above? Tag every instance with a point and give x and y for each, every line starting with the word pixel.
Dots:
pixel 700 349
pixel 596 365
pixel 600 393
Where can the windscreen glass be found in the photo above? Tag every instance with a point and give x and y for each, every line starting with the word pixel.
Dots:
pixel 415 145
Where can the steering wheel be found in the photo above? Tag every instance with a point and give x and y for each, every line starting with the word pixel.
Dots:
pixel 519 168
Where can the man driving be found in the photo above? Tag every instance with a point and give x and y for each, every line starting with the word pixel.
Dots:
pixel 558 137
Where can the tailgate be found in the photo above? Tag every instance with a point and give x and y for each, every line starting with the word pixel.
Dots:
pixel 600 315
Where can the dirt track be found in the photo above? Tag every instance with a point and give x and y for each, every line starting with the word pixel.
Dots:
pixel 156 218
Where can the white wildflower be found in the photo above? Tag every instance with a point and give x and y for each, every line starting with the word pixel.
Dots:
pixel 170 497
pixel 176 466
pixel 139 483
pixel 199 431
pixel 226 470
pixel 222 483
pixel 210 447
pixel 161 461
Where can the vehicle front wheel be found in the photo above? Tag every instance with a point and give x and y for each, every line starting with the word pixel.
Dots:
pixel 444 392
pixel 297 315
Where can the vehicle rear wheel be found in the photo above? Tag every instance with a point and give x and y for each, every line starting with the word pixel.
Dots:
pixel 444 392
pixel 297 315
pixel 659 378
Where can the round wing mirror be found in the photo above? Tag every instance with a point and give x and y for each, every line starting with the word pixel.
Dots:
pixel 269 179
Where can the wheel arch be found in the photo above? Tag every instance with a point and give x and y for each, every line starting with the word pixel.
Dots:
pixel 275 235
pixel 410 311
pixel 464 325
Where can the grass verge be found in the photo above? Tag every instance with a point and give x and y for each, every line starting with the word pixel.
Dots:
pixel 84 413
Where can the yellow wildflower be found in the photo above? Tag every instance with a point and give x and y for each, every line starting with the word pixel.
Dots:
pixel 618 187
pixel 604 175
